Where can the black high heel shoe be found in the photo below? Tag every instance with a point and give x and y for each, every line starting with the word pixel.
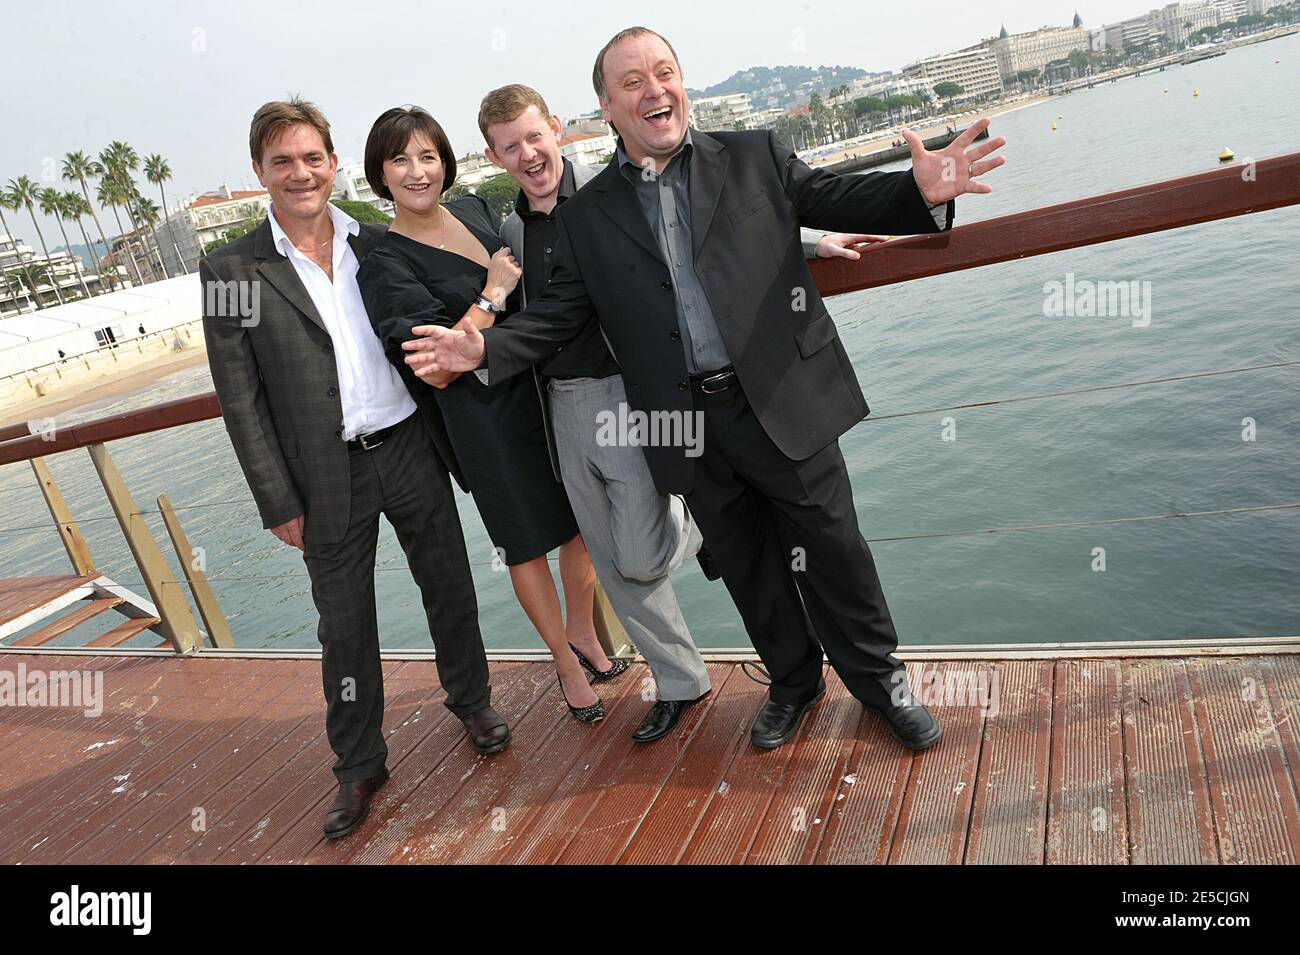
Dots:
pixel 585 714
pixel 616 666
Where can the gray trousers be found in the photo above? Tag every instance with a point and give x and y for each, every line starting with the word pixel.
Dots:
pixel 634 534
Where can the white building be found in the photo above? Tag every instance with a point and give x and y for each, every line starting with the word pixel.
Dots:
pixel 216 213
pixel 1178 21
pixel 974 69
pixel 711 113
pixel 29 277
pixel 1036 48
pixel 590 149
pixel 350 183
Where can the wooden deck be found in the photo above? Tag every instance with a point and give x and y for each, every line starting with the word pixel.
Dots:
pixel 223 759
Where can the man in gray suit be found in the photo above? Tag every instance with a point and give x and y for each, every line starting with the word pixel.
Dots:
pixel 635 535
pixel 329 439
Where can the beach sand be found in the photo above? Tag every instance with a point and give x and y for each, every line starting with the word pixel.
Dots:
pixel 85 398
pixel 884 139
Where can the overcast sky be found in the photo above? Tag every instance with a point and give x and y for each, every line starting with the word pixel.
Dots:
pixel 183 78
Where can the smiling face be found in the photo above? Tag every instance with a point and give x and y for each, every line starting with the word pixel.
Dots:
pixel 528 148
pixel 298 171
pixel 414 176
pixel 646 99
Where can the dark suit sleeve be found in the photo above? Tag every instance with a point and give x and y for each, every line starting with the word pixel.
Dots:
pixel 397 302
pixel 238 383
pixel 550 321
pixel 883 202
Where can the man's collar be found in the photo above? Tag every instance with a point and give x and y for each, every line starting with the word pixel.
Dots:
pixel 568 186
pixel 624 160
pixel 344 224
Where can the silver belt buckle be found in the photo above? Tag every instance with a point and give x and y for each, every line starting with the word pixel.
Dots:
pixel 704 382
pixel 367 447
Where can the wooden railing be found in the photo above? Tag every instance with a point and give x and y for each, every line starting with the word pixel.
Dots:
pixel 1231 190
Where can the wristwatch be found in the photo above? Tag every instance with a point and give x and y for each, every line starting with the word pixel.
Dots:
pixel 488 305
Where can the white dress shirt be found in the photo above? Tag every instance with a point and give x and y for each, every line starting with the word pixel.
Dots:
pixel 371 390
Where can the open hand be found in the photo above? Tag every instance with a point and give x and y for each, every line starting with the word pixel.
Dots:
pixel 444 349
pixel 842 244
pixel 944 174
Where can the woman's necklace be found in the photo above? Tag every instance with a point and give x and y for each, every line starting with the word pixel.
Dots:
pixel 442 226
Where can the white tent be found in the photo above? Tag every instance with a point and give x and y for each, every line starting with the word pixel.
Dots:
pixel 33 340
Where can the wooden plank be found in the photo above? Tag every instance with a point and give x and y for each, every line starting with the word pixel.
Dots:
pixel 214 621
pixel 1087 822
pixel 142 730
pixel 553 824
pixel 618 811
pixel 288 792
pixel 123 632
pixel 69 533
pixel 68 621
pixel 1151 207
pixel 567 757
pixel 666 828
pixel 87 822
pixel 933 820
pixel 416 796
pixel 26 731
pixel 743 799
pixel 1170 820
pixel 176 620
pixel 133 831
pixel 26 600
pixel 480 796
pixel 1251 787
pixel 795 821
pixel 1009 818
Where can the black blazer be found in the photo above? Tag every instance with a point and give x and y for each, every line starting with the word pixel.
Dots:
pixel 749 196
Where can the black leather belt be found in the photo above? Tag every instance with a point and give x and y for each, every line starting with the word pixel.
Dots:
pixel 368 442
pixel 712 382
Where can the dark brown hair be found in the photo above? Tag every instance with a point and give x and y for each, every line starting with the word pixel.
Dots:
pixel 598 72
pixel 275 117
pixel 389 136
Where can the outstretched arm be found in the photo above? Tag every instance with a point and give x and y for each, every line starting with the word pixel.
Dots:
pixel 523 339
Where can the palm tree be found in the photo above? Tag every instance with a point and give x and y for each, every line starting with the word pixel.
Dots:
pixel 119 161
pixel 108 275
pixel 32 275
pixel 149 215
pixel 7 202
pixel 78 167
pixel 110 195
pixel 74 207
pixel 157 171
pixel 27 193
pixel 51 201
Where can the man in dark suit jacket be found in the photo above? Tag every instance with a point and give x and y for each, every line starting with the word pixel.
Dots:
pixel 687 249
pixel 329 439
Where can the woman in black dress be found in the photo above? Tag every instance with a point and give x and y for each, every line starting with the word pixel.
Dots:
pixel 442 263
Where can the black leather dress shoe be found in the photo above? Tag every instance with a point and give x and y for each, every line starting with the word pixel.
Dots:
pixel 707 564
pixel 911 724
pixel 777 723
pixel 487 730
pixel 352 805
pixel 661 719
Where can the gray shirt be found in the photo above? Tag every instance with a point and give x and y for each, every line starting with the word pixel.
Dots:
pixel 666 201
